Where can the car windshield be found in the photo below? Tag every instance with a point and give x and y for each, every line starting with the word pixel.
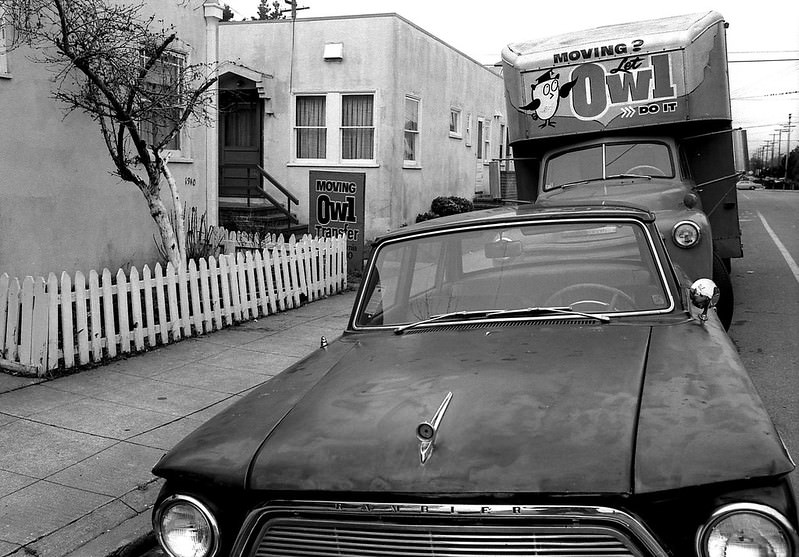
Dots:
pixel 608 160
pixel 598 267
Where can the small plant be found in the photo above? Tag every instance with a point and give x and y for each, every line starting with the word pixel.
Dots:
pixel 446 205
pixel 202 239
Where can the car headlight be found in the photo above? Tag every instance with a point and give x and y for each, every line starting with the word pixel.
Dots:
pixel 185 527
pixel 686 234
pixel 746 530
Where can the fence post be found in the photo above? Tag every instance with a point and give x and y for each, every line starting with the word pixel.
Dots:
pixel 52 321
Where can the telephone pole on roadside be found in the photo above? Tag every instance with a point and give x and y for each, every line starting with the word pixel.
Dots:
pixel 293 9
pixel 788 148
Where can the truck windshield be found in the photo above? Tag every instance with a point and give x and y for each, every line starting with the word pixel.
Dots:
pixel 608 160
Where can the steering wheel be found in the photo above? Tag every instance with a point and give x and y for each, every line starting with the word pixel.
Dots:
pixel 647 170
pixel 584 292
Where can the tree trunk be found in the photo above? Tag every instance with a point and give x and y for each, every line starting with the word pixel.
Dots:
pixel 180 232
pixel 169 239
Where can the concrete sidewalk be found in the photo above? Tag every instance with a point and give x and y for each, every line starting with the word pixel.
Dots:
pixel 76 452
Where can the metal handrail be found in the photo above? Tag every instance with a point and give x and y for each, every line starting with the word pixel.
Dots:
pixel 277 184
pixel 259 190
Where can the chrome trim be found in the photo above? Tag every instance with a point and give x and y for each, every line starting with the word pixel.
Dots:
pixel 694 225
pixel 171 500
pixel 460 227
pixel 426 432
pixel 627 523
pixel 754 508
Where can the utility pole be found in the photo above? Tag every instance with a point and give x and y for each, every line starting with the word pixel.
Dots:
pixel 294 8
pixel 771 157
pixel 788 149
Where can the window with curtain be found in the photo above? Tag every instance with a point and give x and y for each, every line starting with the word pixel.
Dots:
pixel 454 122
pixel 411 130
pixel 357 127
pixel 310 128
pixel 480 138
pixel 487 141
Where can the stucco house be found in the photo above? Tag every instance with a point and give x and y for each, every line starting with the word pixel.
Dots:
pixel 60 206
pixel 369 96
pixel 325 106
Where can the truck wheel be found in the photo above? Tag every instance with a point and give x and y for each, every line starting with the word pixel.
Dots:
pixel 721 277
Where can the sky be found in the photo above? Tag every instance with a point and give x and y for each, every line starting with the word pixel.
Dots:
pixel 763 92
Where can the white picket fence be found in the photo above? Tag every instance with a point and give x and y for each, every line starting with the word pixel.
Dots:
pixel 65 322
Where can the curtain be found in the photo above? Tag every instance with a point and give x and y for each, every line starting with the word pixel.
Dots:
pixel 310 125
pixel 357 127
pixel 411 128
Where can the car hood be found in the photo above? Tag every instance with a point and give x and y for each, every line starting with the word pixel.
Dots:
pixel 656 194
pixel 548 409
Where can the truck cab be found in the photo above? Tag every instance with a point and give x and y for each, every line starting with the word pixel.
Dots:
pixel 636 113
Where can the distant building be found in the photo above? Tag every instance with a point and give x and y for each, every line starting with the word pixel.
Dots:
pixel 372 95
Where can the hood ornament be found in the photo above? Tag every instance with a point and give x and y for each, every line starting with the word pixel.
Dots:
pixel 426 431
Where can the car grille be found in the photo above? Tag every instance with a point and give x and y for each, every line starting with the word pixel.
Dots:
pixel 370 531
pixel 300 538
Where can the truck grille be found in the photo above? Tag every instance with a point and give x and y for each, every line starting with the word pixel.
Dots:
pixel 362 530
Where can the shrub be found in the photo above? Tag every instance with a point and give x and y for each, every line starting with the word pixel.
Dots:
pixel 446 205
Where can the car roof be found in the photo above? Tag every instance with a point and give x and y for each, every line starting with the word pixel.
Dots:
pixel 520 212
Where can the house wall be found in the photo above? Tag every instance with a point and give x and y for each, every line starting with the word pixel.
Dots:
pixel 390 57
pixel 60 206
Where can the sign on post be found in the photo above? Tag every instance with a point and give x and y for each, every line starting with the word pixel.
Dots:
pixel 337 209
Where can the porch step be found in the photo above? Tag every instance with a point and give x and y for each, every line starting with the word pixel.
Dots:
pixel 265 219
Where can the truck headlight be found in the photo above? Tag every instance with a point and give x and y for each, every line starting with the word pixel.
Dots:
pixel 185 527
pixel 746 530
pixel 686 234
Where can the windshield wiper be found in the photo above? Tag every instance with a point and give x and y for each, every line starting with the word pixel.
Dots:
pixel 613 176
pixel 492 313
pixel 544 310
pixel 452 315
pixel 599 179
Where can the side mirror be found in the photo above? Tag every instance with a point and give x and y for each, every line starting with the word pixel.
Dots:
pixel 704 295
pixel 503 249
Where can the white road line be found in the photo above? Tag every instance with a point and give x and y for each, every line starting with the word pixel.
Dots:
pixel 780 246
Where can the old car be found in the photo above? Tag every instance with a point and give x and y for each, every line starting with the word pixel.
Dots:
pixel 745 183
pixel 519 381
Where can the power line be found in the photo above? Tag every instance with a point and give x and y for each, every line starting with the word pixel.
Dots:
pixel 763 60
pixel 759 51
pixel 758 97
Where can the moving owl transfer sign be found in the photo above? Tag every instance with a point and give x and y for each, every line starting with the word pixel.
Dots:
pixel 622 76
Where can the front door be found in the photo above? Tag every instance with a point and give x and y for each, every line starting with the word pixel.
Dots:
pixel 240 140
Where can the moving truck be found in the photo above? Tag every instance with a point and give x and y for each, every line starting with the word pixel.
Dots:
pixel 636 113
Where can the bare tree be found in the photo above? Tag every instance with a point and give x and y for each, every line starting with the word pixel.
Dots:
pixel 121 67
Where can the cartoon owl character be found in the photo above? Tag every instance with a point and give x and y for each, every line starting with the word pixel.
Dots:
pixel 546 93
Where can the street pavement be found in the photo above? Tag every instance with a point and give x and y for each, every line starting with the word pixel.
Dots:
pixel 76 451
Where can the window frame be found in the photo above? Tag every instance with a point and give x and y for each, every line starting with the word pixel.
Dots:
pixel 486 141
pixel 333 125
pixel 183 151
pixel 295 127
pixel 342 127
pixel 412 163
pixel 457 133
pixel 4 71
